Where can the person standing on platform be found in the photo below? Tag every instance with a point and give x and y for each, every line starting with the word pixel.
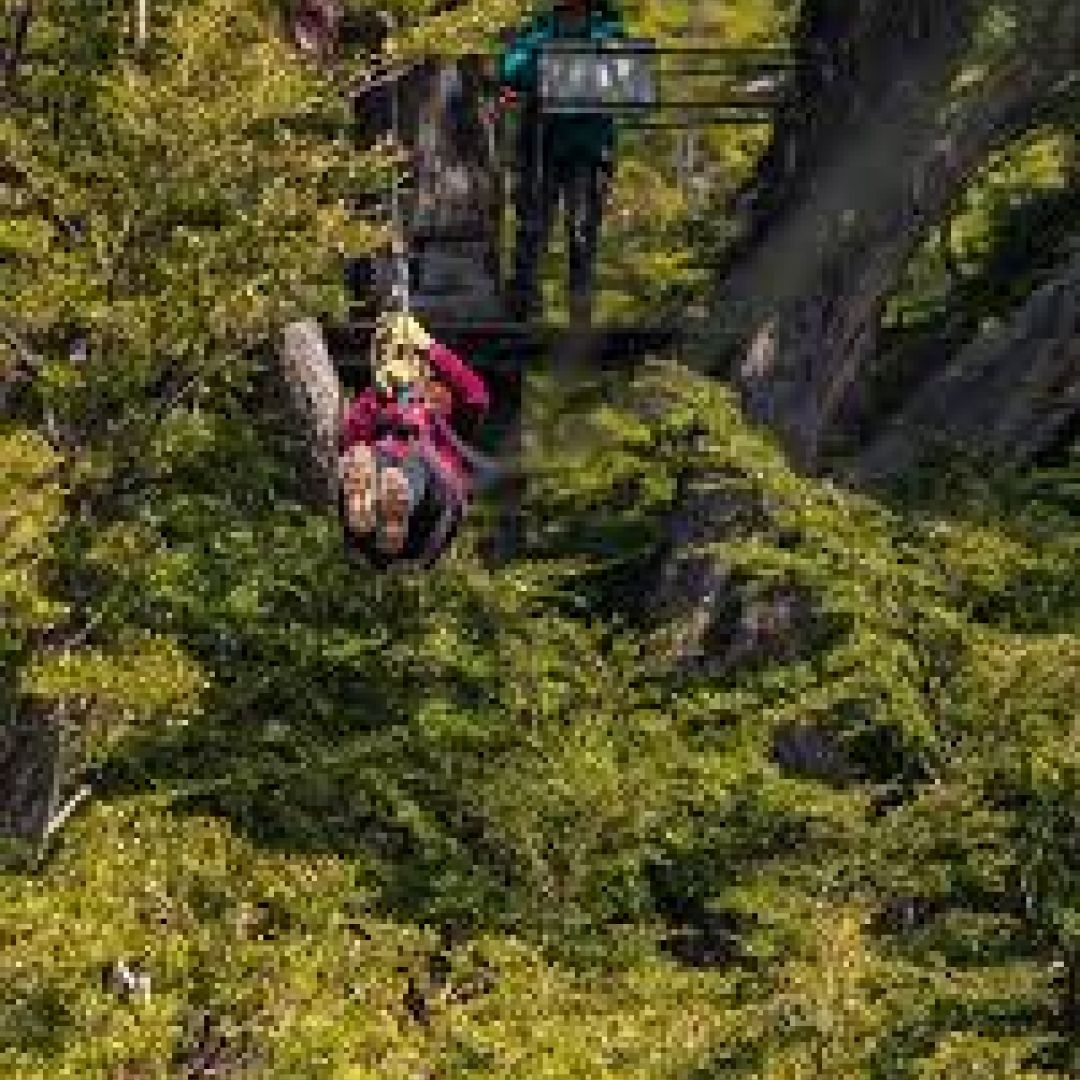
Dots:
pixel 567 158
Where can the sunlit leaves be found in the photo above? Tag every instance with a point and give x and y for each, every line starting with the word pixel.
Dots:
pixel 151 678
pixel 359 760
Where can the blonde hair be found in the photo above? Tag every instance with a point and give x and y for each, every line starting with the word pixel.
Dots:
pixel 398 351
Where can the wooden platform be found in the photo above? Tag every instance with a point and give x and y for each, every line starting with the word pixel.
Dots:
pixel 612 347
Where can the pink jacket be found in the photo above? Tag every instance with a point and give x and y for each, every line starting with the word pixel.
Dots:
pixel 469 397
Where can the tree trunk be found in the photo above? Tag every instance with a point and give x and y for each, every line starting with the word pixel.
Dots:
pixel 809 294
pixel 315 393
pixel 1006 397
pixel 881 149
pixel 31 772
pixel 453 206
pixel 850 53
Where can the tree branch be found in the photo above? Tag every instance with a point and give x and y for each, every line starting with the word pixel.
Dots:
pixel 1007 396
pixel 11 53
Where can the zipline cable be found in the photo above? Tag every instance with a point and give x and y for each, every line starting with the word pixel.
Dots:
pixel 399 248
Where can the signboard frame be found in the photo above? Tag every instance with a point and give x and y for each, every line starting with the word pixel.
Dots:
pixel 756 79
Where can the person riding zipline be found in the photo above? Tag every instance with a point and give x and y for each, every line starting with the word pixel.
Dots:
pixel 560 156
pixel 406 475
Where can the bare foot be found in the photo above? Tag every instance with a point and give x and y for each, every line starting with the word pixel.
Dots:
pixel 393 511
pixel 358 483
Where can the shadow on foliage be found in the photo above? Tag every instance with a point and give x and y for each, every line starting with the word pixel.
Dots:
pixel 696 935
pixel 35 1019
pixel 338 769
pixel 307 741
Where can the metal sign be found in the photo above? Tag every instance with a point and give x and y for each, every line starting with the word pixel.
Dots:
pixel 576 78
pixel 626 79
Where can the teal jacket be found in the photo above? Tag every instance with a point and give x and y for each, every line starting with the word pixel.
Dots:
pixel 566 138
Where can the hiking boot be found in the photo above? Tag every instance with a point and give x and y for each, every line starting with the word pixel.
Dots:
pixel 358 486
pixel 393 511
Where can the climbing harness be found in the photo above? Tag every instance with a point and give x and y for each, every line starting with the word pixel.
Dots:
pixel 400 372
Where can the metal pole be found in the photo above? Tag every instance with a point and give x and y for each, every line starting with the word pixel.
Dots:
pixel 399 251
pixel 399 282
pixel 687 152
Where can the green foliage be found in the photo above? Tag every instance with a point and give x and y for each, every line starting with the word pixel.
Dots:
pixel 477 750
pixel 30 514
pixel 469 822
pixel 198 212
pixel 1013 217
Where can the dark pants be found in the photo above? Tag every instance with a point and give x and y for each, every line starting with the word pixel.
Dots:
pixel 581 186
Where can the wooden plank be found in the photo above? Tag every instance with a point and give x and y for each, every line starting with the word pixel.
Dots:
pixel 700 119
pixel 606 347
